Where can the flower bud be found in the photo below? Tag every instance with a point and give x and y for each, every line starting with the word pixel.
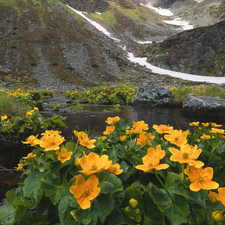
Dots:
pixel 103 138
pixel 137 211
pixel 218 216
pixel 198 140
pixel 104 151
pixel 212 196
pixel 123 138
pixel 77 162
pixel 133 203
pixel 128 209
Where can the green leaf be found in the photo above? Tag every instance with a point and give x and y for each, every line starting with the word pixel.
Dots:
pixel 116 217
pixel 176 211
pixel 120 151
pixel 33 182
pixel 106 187
pixel 175 184
pixel 122 124
pixel 7 214
pixel 32 218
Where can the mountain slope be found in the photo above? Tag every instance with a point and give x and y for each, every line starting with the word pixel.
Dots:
pixel 198 51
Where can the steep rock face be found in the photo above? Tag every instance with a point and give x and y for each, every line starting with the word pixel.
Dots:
pixel 47 44
pixel 198 51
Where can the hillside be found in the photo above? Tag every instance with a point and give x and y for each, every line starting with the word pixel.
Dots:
pixel 199 51
pixel 44 44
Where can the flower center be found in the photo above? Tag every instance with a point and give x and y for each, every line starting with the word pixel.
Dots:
pixel 185 155
pixel 86 193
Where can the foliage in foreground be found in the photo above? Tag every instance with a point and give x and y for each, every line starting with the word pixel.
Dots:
pixel 16 129
pixel 132 174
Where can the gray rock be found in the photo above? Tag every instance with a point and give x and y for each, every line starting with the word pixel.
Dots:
pixel 152 96
pixel 203 106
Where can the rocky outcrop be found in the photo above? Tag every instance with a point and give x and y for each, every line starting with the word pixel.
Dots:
pixel 152 96
pixel 199 51
pixel 204 106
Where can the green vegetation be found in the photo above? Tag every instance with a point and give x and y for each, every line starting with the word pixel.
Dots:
pixel 181 93
pixel 130 174
pixel 111 95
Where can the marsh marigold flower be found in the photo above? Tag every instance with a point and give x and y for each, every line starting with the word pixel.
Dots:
pixel 218 216
pixel 109 130
pixel 123 138
pixel 112 120
pixel 4 117
pixel 63 155
pixel 158 150
pixel 222 137
pixel 221 195
pixel 194 124
pixel 201 178
pixel 205 124
pixel 215 125
pixel 20 166
pixel 31 140
pixel 161 129
pixel 51 140
pixel 151 163
pixel 85 141
pixel 217 131
pixel 212 196
pixel 85 190
pixel 93 163
pixel 205 137
pixel 29 155
pixel 187 154
pixel 115 169
pixel 139 127
pixel 177 137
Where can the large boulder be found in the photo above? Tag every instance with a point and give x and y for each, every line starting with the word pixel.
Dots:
pixel 152 96
pixel 203 106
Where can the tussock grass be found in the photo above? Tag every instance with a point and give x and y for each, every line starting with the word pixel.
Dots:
pixel 180 94
pixel 11 106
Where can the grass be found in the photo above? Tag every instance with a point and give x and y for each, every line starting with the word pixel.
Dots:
pixel 180 94
pixel 11 106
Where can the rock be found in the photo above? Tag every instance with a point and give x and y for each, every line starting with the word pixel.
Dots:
pixel 152 96
pixel 203 106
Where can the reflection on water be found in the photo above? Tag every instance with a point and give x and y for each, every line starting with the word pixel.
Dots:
pixel 94 116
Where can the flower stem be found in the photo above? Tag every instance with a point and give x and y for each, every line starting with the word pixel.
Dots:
pixel 210 218
pixel 183 174
pixel 163 186
pixel 104 179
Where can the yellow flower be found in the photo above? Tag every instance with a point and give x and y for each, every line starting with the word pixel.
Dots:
pixel 109 130
pixel 162 128
pixel 161 153
pixel 50 142
pixel 215 125
pixel 205 137
pixel 28 113
pixel 20 166
pixel 217 131
pixel 141 140
pixel 218 216
pixel 115 169
pixel 31 140
pixel 4 117
pixel 187 154
pixel 93 163
pixel 205 124
pixel 201 178
pixel 222 137
pixel 85 190
pixel 123 138
pixel 139 127
pixel 36 109
pixel 187 132
pixel 176 137
pixel 151 163
pixel 212 196
pixel 112 120
pixel 221 195
pixel 194 124
pixel 63 155
pixel 85 141
pixel 29 155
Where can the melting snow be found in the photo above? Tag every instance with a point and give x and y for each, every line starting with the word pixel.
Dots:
pixel 143 61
